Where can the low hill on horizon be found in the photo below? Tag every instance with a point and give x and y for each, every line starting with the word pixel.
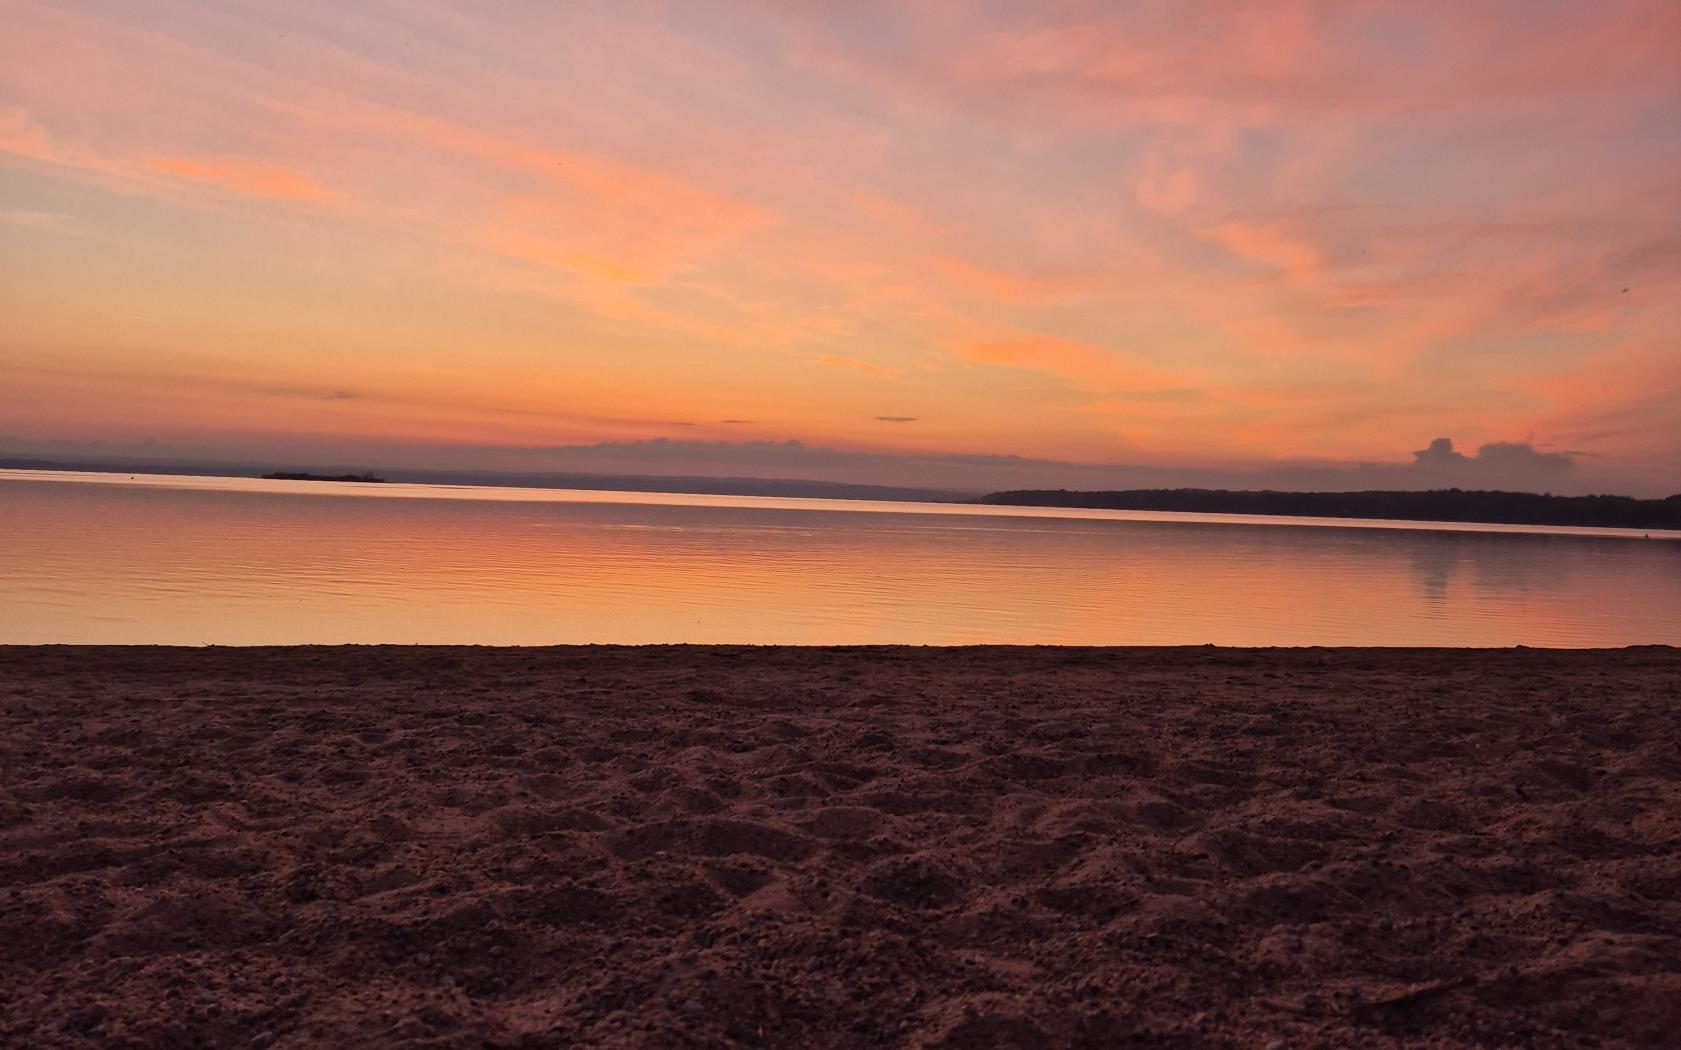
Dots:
pixel 1463 505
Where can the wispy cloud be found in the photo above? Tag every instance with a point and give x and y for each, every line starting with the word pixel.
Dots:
pixel 45 221
pixel 857 366
pixel 245 177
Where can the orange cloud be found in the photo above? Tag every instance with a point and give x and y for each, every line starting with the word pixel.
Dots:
pixel 659 196
pixel 22 136
pixel 1269 245
pixel 1167 192
pixel 858 366
pixel 1182 64
pixel 996 283
pixel 557 253
pixel 246 178
pixel 1089 365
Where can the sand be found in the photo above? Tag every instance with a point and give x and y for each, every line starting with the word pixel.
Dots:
pixel 842 847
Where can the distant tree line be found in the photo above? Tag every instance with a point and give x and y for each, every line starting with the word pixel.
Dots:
pixel 293 475
pixel 1510 508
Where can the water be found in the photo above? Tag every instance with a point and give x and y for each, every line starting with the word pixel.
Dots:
pixel 109 559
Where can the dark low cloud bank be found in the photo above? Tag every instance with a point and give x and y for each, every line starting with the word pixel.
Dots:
pixel 1502 459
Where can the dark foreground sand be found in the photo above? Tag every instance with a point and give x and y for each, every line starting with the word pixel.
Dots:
pixel 955 848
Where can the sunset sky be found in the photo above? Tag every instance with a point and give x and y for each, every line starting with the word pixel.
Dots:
pixel 1227 240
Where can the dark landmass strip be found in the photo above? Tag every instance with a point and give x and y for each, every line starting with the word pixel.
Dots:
pixel 839 847
pixel 294 476
pixel 1506 508
pixel 716 486
pixel 792 488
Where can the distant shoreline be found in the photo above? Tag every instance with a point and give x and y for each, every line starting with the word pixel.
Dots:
pixel 1443 505
pixel 1438 506
pixel 1032 503
pixel 796 488
pixel 290 476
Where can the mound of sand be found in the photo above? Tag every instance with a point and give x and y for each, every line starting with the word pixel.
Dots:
pixel 839 847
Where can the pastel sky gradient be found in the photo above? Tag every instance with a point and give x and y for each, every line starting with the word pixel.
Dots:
pixel 1198 235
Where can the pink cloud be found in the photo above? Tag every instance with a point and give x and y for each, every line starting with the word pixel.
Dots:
pixel 1270 245
pixel 244 177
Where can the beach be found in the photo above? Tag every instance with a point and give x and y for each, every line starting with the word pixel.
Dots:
pixel 834 847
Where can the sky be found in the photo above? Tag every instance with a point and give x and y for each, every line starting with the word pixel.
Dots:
pixel 942 243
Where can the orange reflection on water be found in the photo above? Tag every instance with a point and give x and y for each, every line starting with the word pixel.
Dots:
pixel 242 562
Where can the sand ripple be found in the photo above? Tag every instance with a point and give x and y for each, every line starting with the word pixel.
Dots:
pixel 843 847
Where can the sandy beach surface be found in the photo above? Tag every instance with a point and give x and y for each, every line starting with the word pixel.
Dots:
pixel 994 847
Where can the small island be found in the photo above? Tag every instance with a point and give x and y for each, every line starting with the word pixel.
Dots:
pixel 287 476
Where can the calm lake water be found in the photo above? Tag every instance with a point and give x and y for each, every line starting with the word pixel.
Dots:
pixel 185 560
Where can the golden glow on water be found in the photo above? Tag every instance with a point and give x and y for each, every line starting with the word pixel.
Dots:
pixel 102 558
